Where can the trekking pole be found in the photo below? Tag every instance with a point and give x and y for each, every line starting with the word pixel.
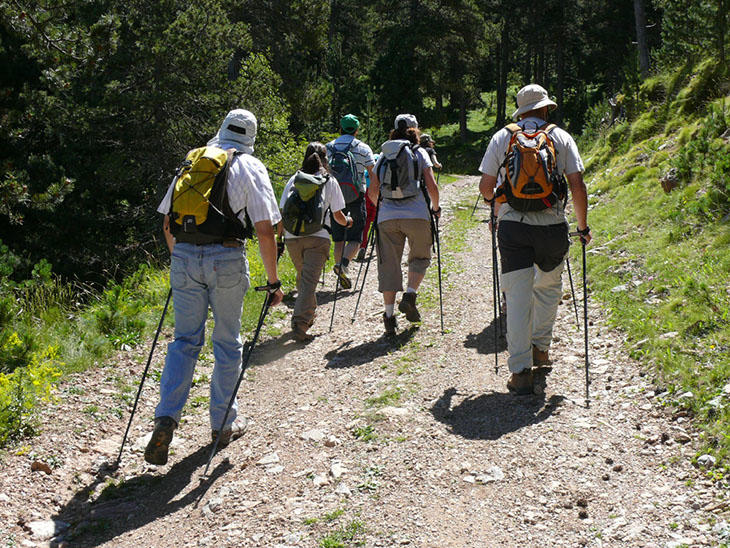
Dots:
pixel 337 281
pixel 372 238
pixel 144 376
pixel 475 207
pixel 248 350
pixel 585 313
pixel 495 290
pixel 572 291
pixel 438 255
pixel 359 270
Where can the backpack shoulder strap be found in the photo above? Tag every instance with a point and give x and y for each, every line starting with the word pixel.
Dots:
pixel 513 128
pixel 547 128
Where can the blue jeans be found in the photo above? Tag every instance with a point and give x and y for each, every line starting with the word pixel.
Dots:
pixel 202 276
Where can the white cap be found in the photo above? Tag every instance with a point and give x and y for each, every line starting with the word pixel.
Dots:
pixel 532 97
pixel 238 131
pixel 408 119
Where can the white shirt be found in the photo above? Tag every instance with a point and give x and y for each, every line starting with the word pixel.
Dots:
pixel 249 191
pixel 568 161
pixel 332 198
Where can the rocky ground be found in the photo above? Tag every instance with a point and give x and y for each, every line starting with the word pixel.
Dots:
pixel 360 440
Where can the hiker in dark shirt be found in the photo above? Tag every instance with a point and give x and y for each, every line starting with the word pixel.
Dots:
pixel 427 143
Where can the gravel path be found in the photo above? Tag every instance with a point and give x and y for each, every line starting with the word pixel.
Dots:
pixel 358 440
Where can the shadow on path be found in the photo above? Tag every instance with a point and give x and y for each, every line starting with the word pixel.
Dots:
pixel 484 341
pixel 351 356
pixel 126 505
pixel 490 416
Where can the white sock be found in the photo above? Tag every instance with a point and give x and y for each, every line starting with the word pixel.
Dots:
pixel 410 290
pixel 389 309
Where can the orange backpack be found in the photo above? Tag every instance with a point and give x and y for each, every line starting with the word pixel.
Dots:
pixel 531 179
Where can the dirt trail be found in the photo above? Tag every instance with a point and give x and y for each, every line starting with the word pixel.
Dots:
pixel 358 440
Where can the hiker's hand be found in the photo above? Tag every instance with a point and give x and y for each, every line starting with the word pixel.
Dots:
pixel 584 235
pixel 349 222
pixel 276 297
pixel 437 213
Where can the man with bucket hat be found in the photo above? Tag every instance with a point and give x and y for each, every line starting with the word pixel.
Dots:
pixel 532 234
pixel 209 269
pixel 347 240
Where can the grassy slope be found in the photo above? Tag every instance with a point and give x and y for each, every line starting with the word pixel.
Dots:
pixel 660 262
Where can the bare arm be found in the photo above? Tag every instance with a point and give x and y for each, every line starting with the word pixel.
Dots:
pixel 374 188
pixel 341 219
pixel 487 185
pixel 169 238
pixel 431 188
pixel 267 248
pixel 579 195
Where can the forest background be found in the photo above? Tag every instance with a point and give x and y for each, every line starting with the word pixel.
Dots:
pixel 100 100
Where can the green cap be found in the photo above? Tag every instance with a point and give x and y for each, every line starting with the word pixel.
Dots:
pixel 349 123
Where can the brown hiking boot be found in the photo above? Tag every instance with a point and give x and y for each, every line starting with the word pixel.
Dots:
pixel 300 333
pixel 408 307
pixel 540 358
pixel 390 324
pixel 521 383
pixel 159 444
pixel 237 429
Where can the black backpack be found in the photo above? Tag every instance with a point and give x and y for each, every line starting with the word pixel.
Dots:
pixel 303 211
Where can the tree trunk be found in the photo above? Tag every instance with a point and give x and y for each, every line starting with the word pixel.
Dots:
pixel 721 29
pixel 560 83
pixel 462 117
pixel 640 18
pixel 503 72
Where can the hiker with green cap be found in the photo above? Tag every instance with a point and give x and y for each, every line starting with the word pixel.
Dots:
pixel 349 158
pixel 524 170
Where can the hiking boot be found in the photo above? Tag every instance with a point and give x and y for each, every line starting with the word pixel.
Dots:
pixel 238 427
pixel 341 273
pixel 159 444
pixel 301 335
pixel 360 255
pixel 407 305
pixel 540 357
pixel 390 324
pixel 521 383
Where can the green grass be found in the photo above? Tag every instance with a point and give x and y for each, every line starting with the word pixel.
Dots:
pixel 347 535
pixel 660 263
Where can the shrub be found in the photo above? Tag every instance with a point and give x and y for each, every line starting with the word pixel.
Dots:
pixel 22 390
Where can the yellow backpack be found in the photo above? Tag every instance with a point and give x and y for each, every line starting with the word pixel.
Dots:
pixel 200 212
pixel 532 181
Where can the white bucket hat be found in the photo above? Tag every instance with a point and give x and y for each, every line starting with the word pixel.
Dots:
pixel 532 97
pixel 409 120
pixel 238 131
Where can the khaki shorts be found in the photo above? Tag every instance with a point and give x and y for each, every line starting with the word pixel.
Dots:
pixel 392 236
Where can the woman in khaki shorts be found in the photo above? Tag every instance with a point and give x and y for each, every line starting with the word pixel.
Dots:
pixel 309 253
pixel 402 219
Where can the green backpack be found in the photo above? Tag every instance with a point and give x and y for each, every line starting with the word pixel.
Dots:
pixel 303 211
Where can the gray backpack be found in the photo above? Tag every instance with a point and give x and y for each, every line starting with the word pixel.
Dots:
pixel 399 170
